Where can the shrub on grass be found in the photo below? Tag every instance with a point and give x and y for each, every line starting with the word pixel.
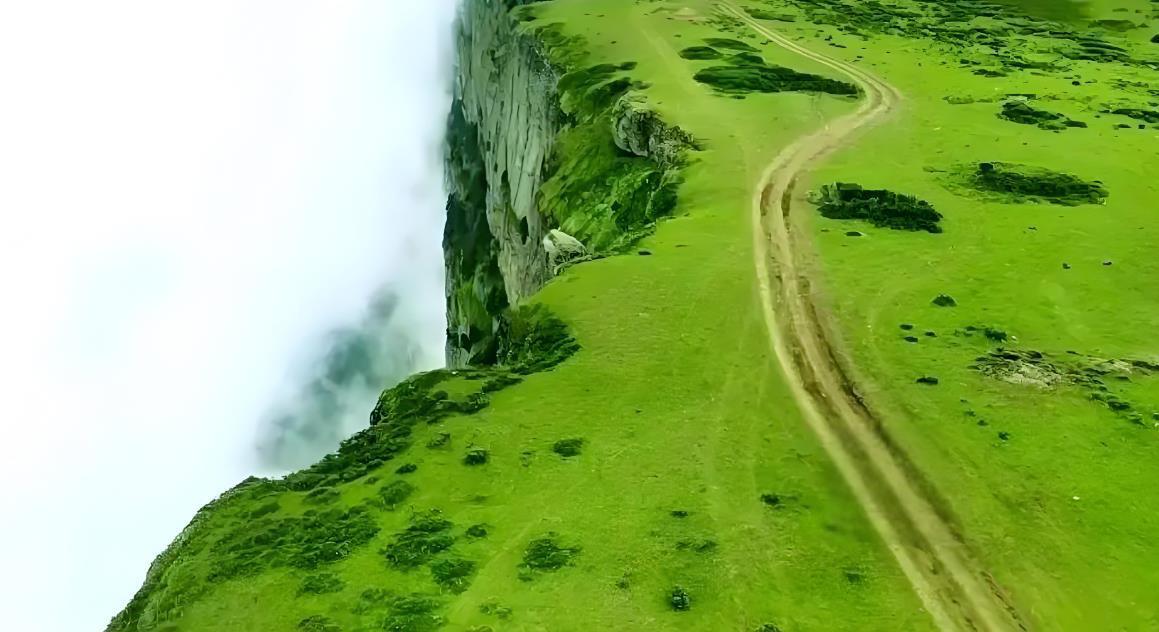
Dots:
pixel 700 52
pixel 322 496
pixel 746 76
pixel 318 623
pixel 944 300
pixel 771 500
pixel 453 574
pixel 408 468
pixel 264 510
pixel 427 536
pixel 928 380
pixel 880 207
pixel 395 493
pixel 729 44
pixel 477 531
pixel 568 447
pixel 547 554
pixel 476 456
pixel 304 542
pixel 1026 183
pixel 413 613
pixel 1023 113
pixel 321 584
pixel 440 440
pixel 679 599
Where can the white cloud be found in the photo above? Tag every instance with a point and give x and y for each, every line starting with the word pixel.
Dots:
pixel 189 193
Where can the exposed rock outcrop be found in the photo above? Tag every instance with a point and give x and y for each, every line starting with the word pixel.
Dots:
pixel 537 141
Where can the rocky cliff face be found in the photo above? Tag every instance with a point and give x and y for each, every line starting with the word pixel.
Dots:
pixel 537 141
pixel 503 124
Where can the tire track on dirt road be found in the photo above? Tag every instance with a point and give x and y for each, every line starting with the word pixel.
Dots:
pixel 954 587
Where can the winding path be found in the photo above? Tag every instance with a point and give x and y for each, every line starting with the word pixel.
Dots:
pixel 954 587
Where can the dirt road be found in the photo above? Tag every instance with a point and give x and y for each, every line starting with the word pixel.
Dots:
pixel 952 584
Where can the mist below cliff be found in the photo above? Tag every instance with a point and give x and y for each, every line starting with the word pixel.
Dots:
pixel 222 238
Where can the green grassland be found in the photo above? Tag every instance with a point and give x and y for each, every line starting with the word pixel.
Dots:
pixel 695 471
pixel 1054 485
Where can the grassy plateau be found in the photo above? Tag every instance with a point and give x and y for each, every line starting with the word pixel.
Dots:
pixel 636 461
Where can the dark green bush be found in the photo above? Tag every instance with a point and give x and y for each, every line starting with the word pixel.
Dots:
pixel 304 542
pixel 453 574
pixel 395 493
pixel 318 623
pixel 427 536
pixel 879 207
pixel 1022 112
pixel 408 468
pixel 321 584
pixel 568 447
pixel 1026 183
pixel 944 300
pixel 761 14
pixel 264 510
pixel 533 339
pixel 1139 114
pixel 700 52
pixel 744 75
pixel 476 456
pixel 547 554
pixel 321 496
pixel 477 531
pixel 729 44
pixel 679 599
pixel 413 613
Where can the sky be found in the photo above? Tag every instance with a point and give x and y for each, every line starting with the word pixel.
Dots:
pixel 193 196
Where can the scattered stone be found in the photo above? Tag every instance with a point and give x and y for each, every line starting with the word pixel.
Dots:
pixel 476 456
pixel 645 253
pixel 679 599
pixel 906 326
pixel 680 513
pixel 928 380
pixel 931 334
pixel 911 338
pixel 1065 266
pixel 1004 436
pixel 854 233
pixel 1108 263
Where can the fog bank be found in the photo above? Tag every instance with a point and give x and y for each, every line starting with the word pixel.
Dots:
pixel 221 226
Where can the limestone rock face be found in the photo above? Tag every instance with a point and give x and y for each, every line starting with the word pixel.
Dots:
pixel 532 144
pixel 638 130
pixel 504 121
pixel 562 248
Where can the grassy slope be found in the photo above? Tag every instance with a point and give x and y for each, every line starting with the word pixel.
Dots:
pixel 680 405
pixel 1089 563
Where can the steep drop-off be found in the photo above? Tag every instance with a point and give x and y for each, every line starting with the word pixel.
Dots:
pixel 538 141
pixel 535 142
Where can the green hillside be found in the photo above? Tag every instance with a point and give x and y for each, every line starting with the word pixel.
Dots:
pixel 617 446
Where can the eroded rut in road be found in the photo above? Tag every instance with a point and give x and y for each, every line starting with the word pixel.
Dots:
pixel 952 584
